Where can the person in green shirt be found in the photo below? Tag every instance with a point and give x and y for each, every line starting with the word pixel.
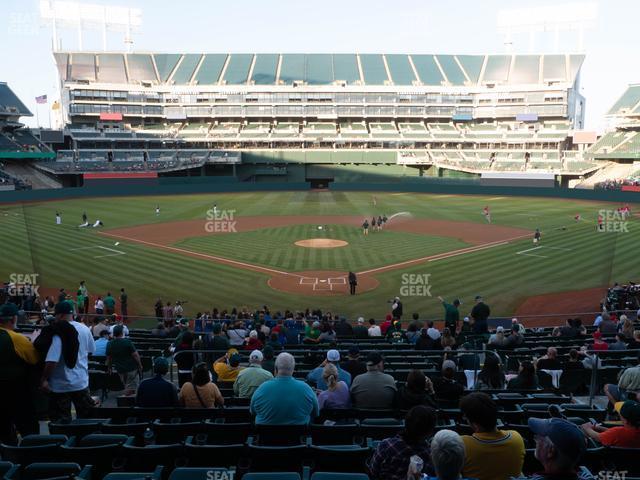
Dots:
pixel 451 315
pixel 312 333
pixel 251 377
pixel 80 302
pixel 109 304
pixel 85 294
pixel 124 301
pixel 123 357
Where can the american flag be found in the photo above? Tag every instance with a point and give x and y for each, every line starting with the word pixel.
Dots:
pixel 41 99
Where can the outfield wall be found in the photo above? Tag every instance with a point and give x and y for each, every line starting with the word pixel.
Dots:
pixel 195 185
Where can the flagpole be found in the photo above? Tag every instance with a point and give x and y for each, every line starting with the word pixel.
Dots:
pixel 37 114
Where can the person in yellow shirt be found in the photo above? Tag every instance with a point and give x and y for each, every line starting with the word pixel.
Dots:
pixel 228 366
pixel 491 454
pixel 17 357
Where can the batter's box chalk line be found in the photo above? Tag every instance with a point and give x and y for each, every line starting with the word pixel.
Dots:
pixel 322 286
pixel 337 281
pixel 308 280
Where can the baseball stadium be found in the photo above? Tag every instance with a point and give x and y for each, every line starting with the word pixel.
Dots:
pixel 317 266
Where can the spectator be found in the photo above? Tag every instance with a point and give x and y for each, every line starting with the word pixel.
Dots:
pixel 619 344
pixel 629 382
pixel 386 324
pixel 101 344
pixel 491 377
pixel 395 334
pixel 268 363
pixel 336 394
pixel 625 436
pixel 312 333
pixel 451 314
pixel 219 341
pixel 117 320
pixel 418 390
pixel 425 342
pixel 374 330
pixel 227 367
pixel 251 377
pixel 284 400
pixel 66 370
pixel 184 358
pixel 599 345
pixel 446 387
pixel 100 325
pixel 447 455
pixel 391 458
pixel 516 337
pixel 374 389
pixel 396 309
pixel 168 316
pixel 327 335
pixel 634 343
pixel 549 361
pixel 343 329
pixel 479 314
pixel 237 334
pixel 159 330
pixel 315 376
pixel 200 392
pixel 626 327
pixel 504 448
pixel 412 334
pixel 559 447
pixel 253 343
pixel 124 358
pixel 109 304
pixel 527 378
pixel 568 330
pixel 274 341
pixel 607 326
pixel 574 362
pixel 156 392
pixel 447 339
pixel 498 339
pixel 353 365
pixel 17 357
pixel 99 306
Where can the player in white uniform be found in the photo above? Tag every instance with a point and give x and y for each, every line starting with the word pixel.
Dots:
pixel 157 210
pixel 58 218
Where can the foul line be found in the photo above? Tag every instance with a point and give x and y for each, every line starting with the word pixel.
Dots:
pixel 203 255
pixel 115 252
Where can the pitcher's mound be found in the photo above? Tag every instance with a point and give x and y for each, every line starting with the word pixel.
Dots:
pixel 321 243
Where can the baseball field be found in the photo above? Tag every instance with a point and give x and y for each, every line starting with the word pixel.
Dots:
pixel 293 250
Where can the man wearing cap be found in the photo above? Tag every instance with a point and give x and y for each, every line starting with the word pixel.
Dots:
pixel 446 387
pixel 559 447
pixel 627 435
pixel 117 320
pixel 109 304
pixel 312 333
pixel 218 341
pixel 374 389
pixel 66 371
pixel 315 376
pixel 479 314
pixel 395 334
pixel 396 309
pixel 156 392
pixel 353 365
pixel 360 330
pixel 629 382
pixel 124 358
pixel 451 314
pixel 17 355
pixel 227 367
pixel 251 377
pixel 284 400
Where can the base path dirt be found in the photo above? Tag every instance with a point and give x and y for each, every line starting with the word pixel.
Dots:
pixel 165 235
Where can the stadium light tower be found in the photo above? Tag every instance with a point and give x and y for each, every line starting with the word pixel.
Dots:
pixel 63 14
pixel 552 18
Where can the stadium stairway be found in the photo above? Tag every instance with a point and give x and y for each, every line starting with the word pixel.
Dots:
pixel 613 171
pixel 29 173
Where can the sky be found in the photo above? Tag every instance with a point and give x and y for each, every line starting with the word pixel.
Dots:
pixel 329 26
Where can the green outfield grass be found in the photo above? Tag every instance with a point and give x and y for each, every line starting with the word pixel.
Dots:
pixel 63 255
pixel 275 247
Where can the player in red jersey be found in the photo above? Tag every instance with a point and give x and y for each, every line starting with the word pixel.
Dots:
pixel 486 213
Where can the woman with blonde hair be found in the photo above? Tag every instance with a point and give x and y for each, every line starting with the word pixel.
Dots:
pixel 627 327
pixel 337 393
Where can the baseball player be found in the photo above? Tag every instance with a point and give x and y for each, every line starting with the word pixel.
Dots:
pixel 578 217
pixel 486 213
pixel 58 218
pixel 157 210
pixel 84 218
pixel 379 223
pixel 600 222
pixel 536 236
pixel 384 219
pixel 373 222
pixel 365 227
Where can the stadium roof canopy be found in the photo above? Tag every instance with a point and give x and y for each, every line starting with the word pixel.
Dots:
pixel 628 103
pixel 10 104
pixel 317 69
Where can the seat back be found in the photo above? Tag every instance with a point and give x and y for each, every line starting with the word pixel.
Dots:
pixel 184 473
pixel 37 471
pixel 340 458
pixel 621 459
pixel 277 435
pixel 339 476
pixel 276 458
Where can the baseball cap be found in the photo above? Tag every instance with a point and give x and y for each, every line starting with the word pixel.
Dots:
pixel 466 319
pixel 478 297
pixel 500 329
pixel 234 360
pixel 253 334
pixel 360 319
pixel 256 356
pixel 8 310
pixel 315 324
pixel 354 350
pixel 160 365
pixel 457 302
pixel 629 410
pixel 333 356
pixel 184 321
pixel 566 436
pixel 374 358
pixel 62 308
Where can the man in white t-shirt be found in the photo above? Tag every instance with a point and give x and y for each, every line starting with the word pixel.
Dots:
pixel 67 384
pixel 374 330
pixel 117 320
